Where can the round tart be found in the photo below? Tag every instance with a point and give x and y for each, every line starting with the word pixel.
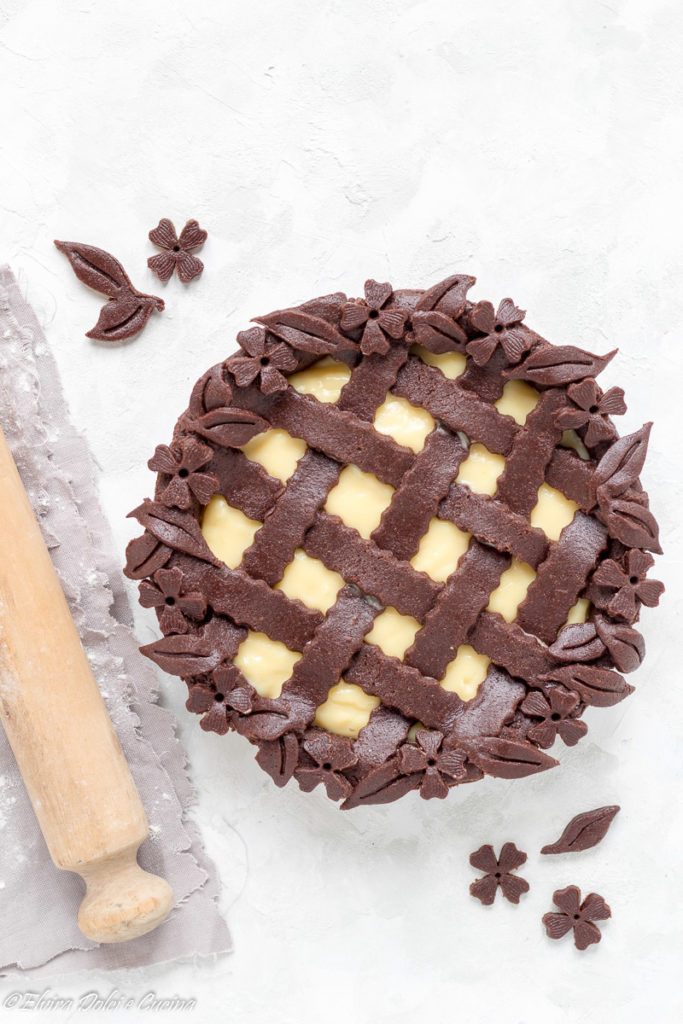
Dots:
pixel 397 543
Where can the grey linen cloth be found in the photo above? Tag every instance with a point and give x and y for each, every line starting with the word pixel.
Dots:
pixel 38 902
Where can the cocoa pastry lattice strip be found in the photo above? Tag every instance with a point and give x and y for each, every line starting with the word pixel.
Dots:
pixel 451 612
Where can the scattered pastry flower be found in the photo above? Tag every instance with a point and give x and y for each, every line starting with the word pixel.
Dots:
pixel 592 408
pixel 630 585
pixel 167 592
pixel 503 328
pixel 332 754
pixel 177 253
pixel 437 769
pixel 181 461
pixel 555 708
pixel 498 874
pixel 378 324
pixel 576 915
pixel 266 361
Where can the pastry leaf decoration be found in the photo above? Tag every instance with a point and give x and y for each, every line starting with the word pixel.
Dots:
pixel 183 654
pixel 128 310
pixel 557 365
pixel 599 687
pixel 621 464
pixel 633 525
pixel 624 643
pixel 178 530
pixel 279 758
pixel 229 427
pixel 584 831
pixel 510 759
pixel 448 296
pixel 304 332
pixel 621 508
pixel 437 332
pixel 144 556
pixel 578 642
pixel 124 317
pixel 210 392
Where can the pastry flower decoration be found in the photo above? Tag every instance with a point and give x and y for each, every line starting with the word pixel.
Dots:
pixel 221 701
pixel 502 328
pixel 331 754
pixel 555 710
pixel 590 409
pixel 437 768
pixel 177 254
pixel 577 916
pixel 629 584
pixel 379 324
pixel 182 462
pixel 265 361
pixel 167 592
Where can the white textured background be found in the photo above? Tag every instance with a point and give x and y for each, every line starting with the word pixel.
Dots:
pixel 536 145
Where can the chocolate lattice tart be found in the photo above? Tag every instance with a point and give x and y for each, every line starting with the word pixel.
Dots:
pixel 397 543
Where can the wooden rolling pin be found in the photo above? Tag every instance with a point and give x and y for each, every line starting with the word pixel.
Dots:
pixel 57 724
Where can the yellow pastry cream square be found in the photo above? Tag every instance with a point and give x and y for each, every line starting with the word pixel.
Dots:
pixel 511 590
pixel 227 531
pixel 310 581
pixel 277 451
pixel 408 424
pixel 466 672
pixel 518 400
pixel 266 664
pixel 359 499
pixel 451 364
pixel 552 512
pixel 324 379
pixel 481 469
pixel 347 710
pixel 392 632
pixel 440 549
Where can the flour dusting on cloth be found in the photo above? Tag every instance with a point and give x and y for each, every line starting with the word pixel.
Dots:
pixel 38 902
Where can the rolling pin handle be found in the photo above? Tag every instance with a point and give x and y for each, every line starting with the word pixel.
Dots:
pixel 122 900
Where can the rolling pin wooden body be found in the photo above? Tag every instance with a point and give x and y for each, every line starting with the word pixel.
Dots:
pixel 70 758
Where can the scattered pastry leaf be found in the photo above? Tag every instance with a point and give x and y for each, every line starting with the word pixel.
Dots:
pixel 128 310
pixel 584 831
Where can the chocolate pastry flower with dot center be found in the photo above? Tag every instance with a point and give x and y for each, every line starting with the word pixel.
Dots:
pixel 167 592
pixel 265 361
pixel 177 253
pixel 498 874
pixel 503 328
pixel 630 584
pixel 332 755
pixel 221 701
pixel 437 768
pixel 591 409
pixel 576 915
pixel 379 324
pixel 182 461
pixel 556 711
